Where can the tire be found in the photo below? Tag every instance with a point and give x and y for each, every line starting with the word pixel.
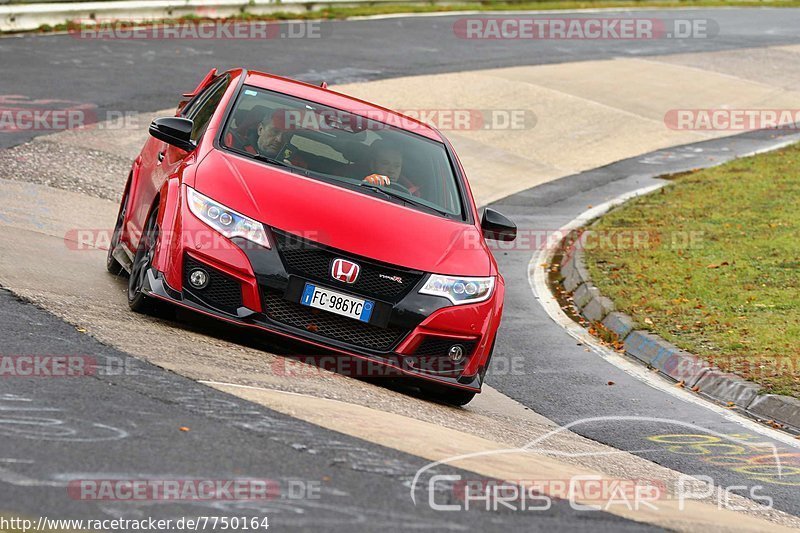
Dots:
pixel 448 395
pixel 137 300
pixel 112 265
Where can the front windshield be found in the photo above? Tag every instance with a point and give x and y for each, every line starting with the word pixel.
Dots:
pixel 344 148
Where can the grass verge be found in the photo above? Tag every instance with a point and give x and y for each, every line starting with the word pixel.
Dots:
pixel 336 12
pixel 712 264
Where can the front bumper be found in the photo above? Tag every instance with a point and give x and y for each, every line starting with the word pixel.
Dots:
pixel 260 288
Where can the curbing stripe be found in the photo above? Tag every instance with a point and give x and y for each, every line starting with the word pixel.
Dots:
pixel 574 268
pixel 616 322
pixel 777 408
pixel 648 347
pixel 665 357
pixel 598 308
pixel 585 294
pixel 572 281
pixel 728 387
pixel 670 361
pixel 541 291
pixel 683 366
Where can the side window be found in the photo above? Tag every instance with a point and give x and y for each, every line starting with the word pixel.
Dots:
pixel 197 100
pixel 206 104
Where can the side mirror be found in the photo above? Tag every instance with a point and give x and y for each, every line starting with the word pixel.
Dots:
pixel 497 226
pixel 176 131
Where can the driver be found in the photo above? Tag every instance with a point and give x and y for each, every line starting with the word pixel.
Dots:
pixel 386 165
pixel 269 137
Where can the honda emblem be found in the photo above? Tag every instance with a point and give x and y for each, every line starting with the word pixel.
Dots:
pixel 344 271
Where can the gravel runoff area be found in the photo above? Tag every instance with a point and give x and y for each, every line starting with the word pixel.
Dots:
pixel 66 167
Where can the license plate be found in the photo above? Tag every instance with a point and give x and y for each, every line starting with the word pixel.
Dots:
pixel 336 302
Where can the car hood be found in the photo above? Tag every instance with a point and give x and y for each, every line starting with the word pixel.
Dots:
pixel 344 219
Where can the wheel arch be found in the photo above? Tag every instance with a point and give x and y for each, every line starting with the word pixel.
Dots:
pixel 168 250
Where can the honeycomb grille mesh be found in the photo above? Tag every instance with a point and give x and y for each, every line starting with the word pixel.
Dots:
pixel 222 292
pixel 330 325
pixel 312 261
pixel 440 347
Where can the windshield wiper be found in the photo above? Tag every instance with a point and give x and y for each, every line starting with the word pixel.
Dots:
pixel 402 197
pixel 271 160
pixel 279 162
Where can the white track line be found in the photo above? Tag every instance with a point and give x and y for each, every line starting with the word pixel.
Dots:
pixel 537 278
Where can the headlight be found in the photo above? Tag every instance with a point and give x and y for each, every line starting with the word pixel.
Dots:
pixel 226 221
pixel 459 290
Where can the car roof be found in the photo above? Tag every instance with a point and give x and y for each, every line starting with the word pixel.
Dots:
pixel 340 101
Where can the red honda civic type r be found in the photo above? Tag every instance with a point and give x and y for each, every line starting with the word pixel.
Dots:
pixel 278 205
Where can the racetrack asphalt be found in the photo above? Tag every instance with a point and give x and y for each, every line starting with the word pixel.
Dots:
pixel 568 383
pixel 124 423
pixel 145 75
pixel 562 381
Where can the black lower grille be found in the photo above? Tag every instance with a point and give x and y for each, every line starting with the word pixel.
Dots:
pixel 222 292
pixel 432 355
pixel 311 260
pixel 330 325
pixel 440 346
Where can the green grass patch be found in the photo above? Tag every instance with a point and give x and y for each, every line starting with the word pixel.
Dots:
pixel 715 268
pixel 342 12
pixel 379 9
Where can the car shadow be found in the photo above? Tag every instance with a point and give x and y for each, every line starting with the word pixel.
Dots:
pixel 295 353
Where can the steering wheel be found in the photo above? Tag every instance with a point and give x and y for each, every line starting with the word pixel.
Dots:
pixel 399 187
